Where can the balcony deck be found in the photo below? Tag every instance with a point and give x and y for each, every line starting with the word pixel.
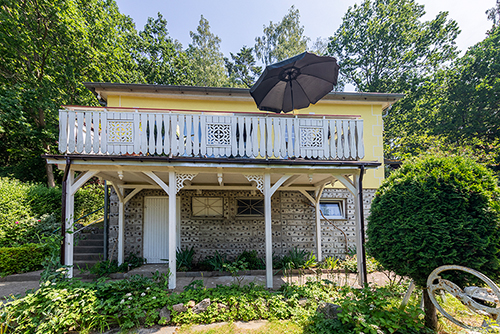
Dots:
pixel 135 132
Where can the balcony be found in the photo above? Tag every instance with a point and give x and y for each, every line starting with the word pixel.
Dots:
pixel 113 131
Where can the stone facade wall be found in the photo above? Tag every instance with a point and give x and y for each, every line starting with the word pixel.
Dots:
pixel 293 224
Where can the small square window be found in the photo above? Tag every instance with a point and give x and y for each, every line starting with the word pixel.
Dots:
pixel 250 207
pixel 333 209
pixel 207 206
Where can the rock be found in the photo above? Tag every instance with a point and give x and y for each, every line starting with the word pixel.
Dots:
pixel 329 310
pixel 190 303
pixel 221 306
pixel 201 306
pixel 165 313
pixel 179 308
pixel 302 301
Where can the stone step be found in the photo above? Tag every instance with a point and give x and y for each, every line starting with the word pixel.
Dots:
pixel 87 257
pixel 90 242
pixel 88 249
pixel 90 236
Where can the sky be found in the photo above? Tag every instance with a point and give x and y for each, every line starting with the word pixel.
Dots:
pixel 238 22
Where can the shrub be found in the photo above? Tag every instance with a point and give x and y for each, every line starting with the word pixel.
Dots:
pixel 254 262
pixel 15 260
pixel 436 211
pixel 215 262
pixel 13 201
pixel 184 258
pixel 31 230
pixel 297 259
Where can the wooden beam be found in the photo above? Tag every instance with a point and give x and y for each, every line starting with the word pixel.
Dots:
pixel 80 181
pixel 290 180
pixel 160 181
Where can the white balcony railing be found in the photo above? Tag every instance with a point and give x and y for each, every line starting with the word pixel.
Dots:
pixel 209 135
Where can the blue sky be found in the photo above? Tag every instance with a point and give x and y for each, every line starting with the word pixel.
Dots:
pixel 237 22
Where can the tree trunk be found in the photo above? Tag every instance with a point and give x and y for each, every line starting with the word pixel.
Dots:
pixel 430 311
pixel 50 175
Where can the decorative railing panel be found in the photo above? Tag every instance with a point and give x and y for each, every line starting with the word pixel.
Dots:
pixel 209 135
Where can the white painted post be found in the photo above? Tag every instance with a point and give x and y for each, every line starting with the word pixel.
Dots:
pixel 318 231
pixel 172 230
pixel 70 205
pixel 268 230
pixel 121 232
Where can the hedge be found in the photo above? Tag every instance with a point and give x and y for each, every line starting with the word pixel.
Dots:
pixel 25 258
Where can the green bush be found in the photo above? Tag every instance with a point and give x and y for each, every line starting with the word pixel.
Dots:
pixel 436 211
pixel 14 204
pixel 32 230
pixel 29 211
pixel 252 259
pixel 15 260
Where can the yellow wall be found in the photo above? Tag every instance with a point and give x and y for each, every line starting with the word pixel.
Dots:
pixel 370 113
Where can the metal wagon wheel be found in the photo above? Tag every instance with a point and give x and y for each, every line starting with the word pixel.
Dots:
pixel 437 285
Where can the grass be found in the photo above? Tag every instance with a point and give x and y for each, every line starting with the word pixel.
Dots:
pixel 285 326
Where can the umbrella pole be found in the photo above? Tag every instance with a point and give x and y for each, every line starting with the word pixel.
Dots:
pixel 291 93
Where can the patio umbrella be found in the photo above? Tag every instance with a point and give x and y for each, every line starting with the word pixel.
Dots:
pixel 295 83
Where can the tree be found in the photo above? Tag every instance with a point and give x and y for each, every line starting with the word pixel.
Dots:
pixel 282 40
pixel 47 49
pixel 383 46
pixel 242 69
pixel 494 14
pixel 436 211
pixel 206 59
pixel 160 59
pixel 457 108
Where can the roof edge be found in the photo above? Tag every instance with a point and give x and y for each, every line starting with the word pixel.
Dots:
pixel 96 87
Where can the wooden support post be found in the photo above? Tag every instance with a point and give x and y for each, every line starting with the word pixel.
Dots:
pixel 69 240
pixel 172 233
pixel 268 230
pixel 121 232
pixel 318 231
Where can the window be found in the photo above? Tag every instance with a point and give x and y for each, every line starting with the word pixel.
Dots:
pixel 250 207
pixel 333 209
pixel 207 206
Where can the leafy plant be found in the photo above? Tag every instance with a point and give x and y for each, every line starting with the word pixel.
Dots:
pixel 106 267
pixel 252 259
pixel 298 259
pixel 215 262
pixel 185 258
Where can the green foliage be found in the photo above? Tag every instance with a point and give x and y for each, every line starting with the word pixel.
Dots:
pixel 184 259
pixel 48 49
pixel 13 201
pixel 383 46
pixel 14 234
pixel 53 271
pixel 205 58
pixel 370 311
pixel 252 259
pixel 241 68
pixel 160 59
pixel 436 211
pixel 297 259
pixel 215 262
pixel 106 267
pixel 137 301
pixel 281 40
pixel 15 260
pixel 89 198
pixel 350 264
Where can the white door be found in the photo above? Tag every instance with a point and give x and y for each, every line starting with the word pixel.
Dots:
pixel 156 228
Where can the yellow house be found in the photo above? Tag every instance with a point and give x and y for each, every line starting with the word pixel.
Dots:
pixel 204 168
